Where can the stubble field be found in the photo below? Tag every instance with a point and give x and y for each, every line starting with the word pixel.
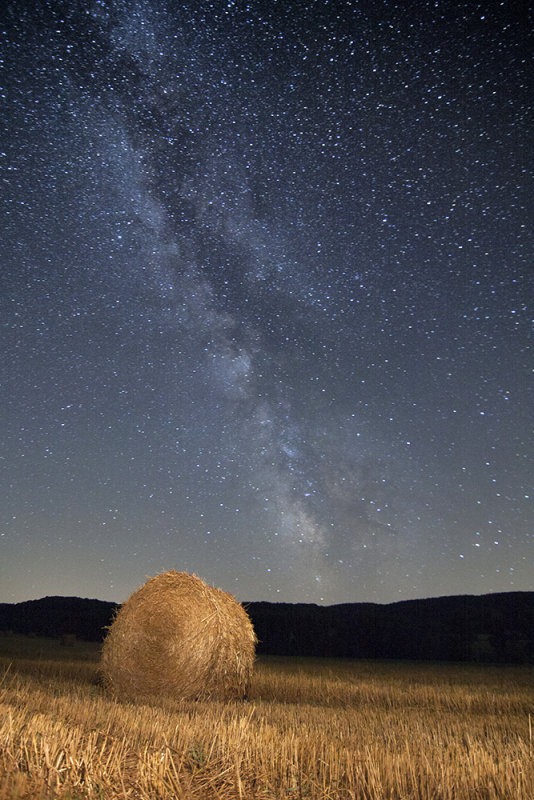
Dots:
pixel 316 729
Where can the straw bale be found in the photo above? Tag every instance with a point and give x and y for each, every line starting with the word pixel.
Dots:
pixel 179 637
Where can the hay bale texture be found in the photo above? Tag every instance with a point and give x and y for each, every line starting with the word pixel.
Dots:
pixel 176 636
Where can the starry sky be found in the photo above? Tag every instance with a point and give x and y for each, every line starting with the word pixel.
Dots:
pixel 266 297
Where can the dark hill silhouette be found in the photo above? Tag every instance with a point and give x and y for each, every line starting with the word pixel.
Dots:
pixel 58 616
pixel 491 627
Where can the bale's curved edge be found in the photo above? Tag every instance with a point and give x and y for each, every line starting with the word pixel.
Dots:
pixel 179 637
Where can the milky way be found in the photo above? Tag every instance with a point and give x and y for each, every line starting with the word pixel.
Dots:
pixel 267 284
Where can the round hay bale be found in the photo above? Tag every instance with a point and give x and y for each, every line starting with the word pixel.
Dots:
pixel 179 637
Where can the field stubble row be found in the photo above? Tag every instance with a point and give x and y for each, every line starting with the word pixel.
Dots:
pixel 317 729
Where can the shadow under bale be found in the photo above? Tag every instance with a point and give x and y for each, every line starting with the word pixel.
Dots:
pixel 178 637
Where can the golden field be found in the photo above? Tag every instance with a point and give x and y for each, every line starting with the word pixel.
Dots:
pixel 317 729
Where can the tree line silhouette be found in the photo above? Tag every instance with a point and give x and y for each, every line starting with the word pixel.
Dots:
pixel 490 628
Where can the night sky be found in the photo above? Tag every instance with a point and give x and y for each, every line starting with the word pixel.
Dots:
pixel 266 298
